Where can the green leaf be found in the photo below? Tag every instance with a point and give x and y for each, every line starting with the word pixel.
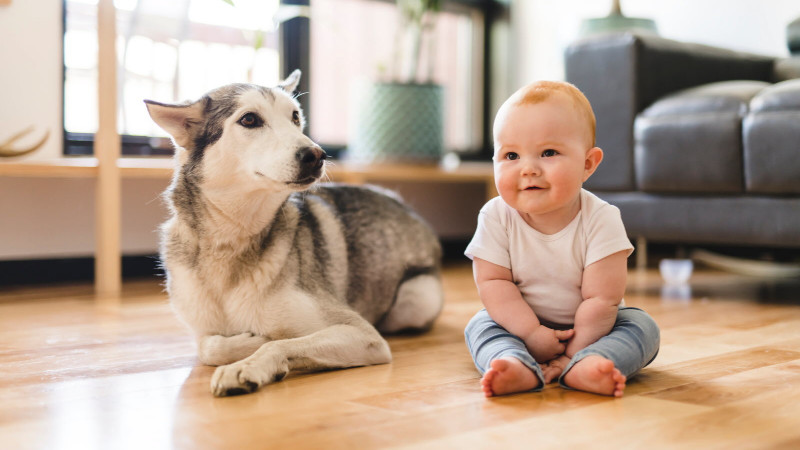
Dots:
pixel 259 40
pixel 433 5
pixel 230 2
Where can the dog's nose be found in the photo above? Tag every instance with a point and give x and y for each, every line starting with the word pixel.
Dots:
pixel 311 156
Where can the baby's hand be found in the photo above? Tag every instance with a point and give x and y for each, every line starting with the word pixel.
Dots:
pixel 545 344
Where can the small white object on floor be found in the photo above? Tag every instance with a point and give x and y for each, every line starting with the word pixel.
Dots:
pixel 675 271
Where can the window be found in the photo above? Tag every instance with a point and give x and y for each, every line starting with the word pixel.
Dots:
pixel 168 51
pixel 176 50
pixel 353 43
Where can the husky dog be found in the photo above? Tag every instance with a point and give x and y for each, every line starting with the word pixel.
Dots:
pixel 270 271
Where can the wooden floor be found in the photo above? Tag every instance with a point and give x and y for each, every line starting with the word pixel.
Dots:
pixel 73 375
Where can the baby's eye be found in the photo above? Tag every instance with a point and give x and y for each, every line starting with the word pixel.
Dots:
pixel 511 156
pixel 549 152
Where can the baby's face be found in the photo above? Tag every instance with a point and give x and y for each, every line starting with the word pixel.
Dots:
pixel 540 158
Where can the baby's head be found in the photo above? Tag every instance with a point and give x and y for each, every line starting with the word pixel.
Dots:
pixel 544 139
pixel 542 91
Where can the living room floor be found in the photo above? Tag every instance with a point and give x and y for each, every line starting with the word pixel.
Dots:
pixel 81 376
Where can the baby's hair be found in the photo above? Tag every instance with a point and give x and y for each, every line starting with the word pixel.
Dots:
pixel 540 91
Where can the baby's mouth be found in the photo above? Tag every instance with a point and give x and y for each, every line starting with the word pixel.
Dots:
pixel 532 188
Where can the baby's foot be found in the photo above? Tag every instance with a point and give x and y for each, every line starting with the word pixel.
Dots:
pixel 508 375
pixel 597 375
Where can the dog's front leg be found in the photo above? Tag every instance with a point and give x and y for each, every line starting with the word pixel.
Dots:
pixel 356 343
pixel 217 350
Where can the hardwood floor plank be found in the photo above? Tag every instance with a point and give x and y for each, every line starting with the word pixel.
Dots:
pixel 708 368
pixel 757 420
pixel 612 423
pixel 737 387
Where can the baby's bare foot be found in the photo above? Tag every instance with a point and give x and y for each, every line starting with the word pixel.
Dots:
pixel 597 375
pixel 508 375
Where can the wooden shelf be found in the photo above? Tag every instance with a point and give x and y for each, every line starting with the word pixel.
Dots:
pixel 58 168
pixel 154 167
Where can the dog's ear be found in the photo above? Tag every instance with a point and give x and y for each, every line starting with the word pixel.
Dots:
pixel 177 120
pixel 290 83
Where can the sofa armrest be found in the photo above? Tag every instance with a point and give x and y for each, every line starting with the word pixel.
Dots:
pixel 621 74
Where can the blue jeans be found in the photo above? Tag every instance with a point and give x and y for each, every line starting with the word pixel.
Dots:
pixel 631 345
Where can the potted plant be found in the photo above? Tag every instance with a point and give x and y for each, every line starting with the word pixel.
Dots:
pixel 402 119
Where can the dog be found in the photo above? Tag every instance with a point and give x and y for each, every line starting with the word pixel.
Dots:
pixel 270 269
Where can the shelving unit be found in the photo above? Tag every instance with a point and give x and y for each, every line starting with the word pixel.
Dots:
pixel 108 168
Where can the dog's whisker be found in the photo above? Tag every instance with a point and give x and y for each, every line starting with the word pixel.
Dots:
pixel 158 197
pixel 326 177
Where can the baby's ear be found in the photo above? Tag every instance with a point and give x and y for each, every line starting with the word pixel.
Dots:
pixel 593 159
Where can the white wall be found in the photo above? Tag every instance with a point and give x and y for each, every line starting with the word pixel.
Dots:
pixel 53 218
pixel 30 78
pixel 545 27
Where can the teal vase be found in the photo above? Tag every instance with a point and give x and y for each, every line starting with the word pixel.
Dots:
pixel 399 123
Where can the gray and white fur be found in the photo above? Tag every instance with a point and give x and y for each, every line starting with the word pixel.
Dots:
pixel 271 271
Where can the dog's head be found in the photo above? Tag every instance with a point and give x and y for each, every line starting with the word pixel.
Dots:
pixel 243 134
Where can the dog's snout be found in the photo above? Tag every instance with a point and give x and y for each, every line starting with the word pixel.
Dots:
pixel 311 156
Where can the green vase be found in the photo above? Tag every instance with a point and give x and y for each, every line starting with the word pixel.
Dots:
pixel 399 123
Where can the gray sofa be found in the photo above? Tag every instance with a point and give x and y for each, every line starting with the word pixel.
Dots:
pixel 702 144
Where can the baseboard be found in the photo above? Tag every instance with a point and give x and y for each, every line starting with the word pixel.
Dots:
pixel 453 250
pixel 68 270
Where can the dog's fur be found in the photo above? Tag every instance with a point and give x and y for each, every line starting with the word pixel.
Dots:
pixel 271 271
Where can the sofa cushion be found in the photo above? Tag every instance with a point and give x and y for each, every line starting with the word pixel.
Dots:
pixel 691 141
pixel 717 219
pixel 771 133
pixel 786 69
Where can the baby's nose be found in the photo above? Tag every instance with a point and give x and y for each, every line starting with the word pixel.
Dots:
pixel 530 167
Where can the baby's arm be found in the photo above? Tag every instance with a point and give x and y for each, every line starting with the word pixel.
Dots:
pixel 602 288
pixel 505 305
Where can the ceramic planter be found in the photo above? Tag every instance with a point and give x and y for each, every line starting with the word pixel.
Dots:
pixel 399 122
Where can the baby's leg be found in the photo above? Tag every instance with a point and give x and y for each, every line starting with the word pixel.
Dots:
pixel 501 357
pixel 605 366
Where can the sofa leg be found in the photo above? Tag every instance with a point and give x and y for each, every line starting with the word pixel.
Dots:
pixel 641 254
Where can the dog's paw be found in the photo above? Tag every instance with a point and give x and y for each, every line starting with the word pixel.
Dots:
pixel 246 376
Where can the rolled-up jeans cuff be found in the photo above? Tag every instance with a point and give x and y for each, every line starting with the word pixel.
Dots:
pixel 527 360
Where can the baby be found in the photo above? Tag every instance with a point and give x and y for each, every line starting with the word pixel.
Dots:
pixel 550 258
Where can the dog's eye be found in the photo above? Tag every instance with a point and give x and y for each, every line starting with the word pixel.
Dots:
pixel 296 118
pixel 251 120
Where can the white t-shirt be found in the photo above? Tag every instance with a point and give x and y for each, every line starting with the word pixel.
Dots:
pixel 548 268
